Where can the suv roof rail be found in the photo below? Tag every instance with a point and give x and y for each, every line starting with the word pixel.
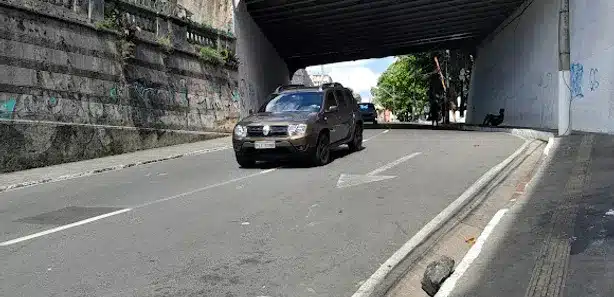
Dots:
pixel 288 87
pixel 331 85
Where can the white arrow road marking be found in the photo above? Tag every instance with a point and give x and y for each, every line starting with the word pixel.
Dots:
pixel 349 180
pixel 392 164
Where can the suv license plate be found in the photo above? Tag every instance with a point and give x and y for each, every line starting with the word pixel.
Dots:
pixel 264 145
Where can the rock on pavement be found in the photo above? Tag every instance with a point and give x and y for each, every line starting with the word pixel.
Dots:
pixel 436 273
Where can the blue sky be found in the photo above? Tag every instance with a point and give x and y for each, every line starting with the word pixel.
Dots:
pixel 360 75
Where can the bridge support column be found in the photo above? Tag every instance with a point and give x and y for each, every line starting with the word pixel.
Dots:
pixel 261 68
pixel 564 95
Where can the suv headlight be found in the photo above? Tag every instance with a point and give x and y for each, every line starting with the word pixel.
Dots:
pixel 240 131
pixel 297 129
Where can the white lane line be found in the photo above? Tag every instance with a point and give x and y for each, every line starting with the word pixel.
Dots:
pixel 473 253
pixel 100 217
pixel 205 188
pixel 376 135
pixel 58 229
pixel 392 164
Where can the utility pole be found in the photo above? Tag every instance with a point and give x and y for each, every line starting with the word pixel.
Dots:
pixel 564 71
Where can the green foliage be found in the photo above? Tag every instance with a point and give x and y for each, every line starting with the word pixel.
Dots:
pixel 230 58
pixel 165 43
pixel 403 87
pixel 126 49
pixel 210 55
pixel 112 17
pixel 108 24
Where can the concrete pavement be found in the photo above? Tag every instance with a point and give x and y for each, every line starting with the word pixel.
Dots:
pixel 202 226
pixel 557 239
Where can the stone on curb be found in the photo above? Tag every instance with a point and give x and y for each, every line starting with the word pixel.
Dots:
pixel 436 273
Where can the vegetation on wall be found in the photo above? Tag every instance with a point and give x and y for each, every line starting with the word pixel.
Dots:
pixel 210 55
pixel 230 58
pixel 165 43
pixel 114 20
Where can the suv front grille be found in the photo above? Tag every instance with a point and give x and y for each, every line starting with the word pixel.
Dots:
pixel 275 131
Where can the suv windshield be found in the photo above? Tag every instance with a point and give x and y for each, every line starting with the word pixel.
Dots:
pixel 300 101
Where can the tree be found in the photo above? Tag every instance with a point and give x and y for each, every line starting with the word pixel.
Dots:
pixel 403 87
pixel 357 97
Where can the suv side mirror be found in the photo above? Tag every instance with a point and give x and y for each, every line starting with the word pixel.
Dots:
pixel 332 108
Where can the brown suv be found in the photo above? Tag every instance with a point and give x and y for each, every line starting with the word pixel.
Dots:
pixel 301 123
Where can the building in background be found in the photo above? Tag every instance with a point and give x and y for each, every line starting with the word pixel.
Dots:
pixel 319 79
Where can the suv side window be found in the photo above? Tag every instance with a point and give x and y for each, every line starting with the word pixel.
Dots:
pixel 329 100
pixel 342 100
pixel 350 99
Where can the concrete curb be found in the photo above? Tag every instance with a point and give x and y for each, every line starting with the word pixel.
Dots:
pixel 384 278
pixel 524 133
pixel 105 169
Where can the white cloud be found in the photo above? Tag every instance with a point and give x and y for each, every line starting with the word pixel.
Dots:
pixel 353 74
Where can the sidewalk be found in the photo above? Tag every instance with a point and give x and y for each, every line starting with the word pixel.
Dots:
pixel 557 239
pixel 88 167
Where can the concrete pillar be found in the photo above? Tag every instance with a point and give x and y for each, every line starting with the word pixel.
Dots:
pixel 564 96
pixel 163 29
pixel 261 69
pixel 95 10
pixel 564 103
pixel 179 34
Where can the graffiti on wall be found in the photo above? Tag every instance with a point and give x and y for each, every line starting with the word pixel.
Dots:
pixel 52 102
pixel 247 92
pixel 7 108
pixel 577 80
pixel 593 81
pixel 577 73
pixel 545 80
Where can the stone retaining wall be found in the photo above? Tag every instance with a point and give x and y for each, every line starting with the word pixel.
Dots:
pixel 70 79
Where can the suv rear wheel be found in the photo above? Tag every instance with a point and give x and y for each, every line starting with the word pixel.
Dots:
pixel 320 155
pixel 356 142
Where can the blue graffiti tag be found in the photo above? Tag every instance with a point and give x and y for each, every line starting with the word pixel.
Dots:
pixel 577 72
pixel 593 82
pixel 7 108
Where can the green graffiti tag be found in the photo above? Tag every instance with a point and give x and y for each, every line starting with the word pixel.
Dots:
pixel 236 96
pixel 52 102
pixel 114 93
pixel 7 108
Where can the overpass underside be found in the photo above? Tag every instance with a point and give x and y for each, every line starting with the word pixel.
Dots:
pixel 311 32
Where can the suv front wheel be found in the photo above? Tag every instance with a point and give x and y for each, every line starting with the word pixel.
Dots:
pixel 245 162
pixel 320 154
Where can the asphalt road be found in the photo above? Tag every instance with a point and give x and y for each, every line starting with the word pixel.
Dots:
pixel 202 226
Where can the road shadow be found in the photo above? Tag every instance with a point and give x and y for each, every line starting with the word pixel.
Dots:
pixel 335 154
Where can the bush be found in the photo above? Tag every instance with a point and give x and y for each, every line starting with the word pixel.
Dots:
pixel 210 55
pixel 165 43
pixel 230 58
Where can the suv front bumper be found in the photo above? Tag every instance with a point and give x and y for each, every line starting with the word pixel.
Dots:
pixel 285 148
